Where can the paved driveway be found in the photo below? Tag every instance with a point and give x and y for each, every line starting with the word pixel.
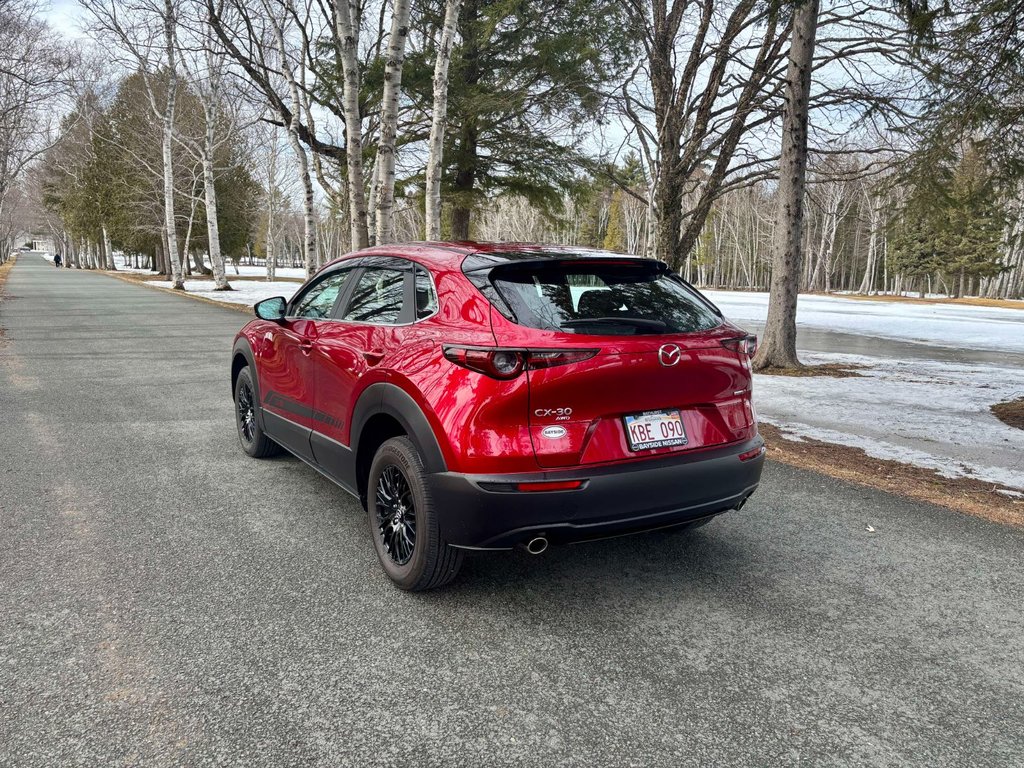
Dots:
pixel 166 601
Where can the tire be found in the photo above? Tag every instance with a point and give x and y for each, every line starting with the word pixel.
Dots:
pixel 253 439
pixel 399 503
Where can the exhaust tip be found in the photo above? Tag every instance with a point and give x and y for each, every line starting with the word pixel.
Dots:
pixel 537 546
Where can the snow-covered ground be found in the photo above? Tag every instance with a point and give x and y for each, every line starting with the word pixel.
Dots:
pixel 245 291
pixel 247 271
pixel 242 270
pixel 944 325
pixel 931 414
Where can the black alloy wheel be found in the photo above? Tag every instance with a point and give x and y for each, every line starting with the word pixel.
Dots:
pixel 396 514
pixel 246 413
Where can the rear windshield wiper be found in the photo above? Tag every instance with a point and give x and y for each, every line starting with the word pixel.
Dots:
pixel 655 325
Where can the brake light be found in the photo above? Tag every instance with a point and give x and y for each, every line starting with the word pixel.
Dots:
pixel 497 363
pixel 505 364
pixel 746 345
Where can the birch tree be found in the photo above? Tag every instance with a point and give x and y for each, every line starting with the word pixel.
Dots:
pixel 206 70
pixel 347 38
pixel 293 70
pixel 145 33
pixel 389 120
pixel 435 149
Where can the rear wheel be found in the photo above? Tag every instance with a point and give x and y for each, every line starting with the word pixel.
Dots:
pixel 252 437
pixel 403 520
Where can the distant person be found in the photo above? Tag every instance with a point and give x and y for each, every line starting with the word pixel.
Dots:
pixel 56 260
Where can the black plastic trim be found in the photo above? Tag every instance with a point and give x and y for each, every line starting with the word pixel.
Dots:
pixel 617 499
pixel 392 400
pixel 292 436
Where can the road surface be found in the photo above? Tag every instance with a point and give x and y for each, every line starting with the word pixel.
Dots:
pixel 167 601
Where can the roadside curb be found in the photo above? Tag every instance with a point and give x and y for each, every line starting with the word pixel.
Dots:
pixel 243 308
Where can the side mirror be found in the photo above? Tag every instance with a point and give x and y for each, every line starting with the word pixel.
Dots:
pixel 271 309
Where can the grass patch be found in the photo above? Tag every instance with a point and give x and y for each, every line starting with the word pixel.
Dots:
pixel 835 370
pixel 1010 412
pixel 972 497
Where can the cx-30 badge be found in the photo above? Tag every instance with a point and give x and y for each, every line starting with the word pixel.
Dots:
pixel 669 355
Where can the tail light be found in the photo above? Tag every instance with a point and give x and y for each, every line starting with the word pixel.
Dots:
pixel 745 345
pixel 501 363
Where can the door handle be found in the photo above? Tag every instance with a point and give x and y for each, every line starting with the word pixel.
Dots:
pixel 373 357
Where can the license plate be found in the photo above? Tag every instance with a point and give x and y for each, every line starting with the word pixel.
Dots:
pixel 655 429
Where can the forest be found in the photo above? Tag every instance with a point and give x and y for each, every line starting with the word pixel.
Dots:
pixel 187 135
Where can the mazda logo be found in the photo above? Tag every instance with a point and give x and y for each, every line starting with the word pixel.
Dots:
pixel 669 355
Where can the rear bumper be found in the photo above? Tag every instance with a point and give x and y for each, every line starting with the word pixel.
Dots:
pixel 486 512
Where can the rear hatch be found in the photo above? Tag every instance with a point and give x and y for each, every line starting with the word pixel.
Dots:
pixel 658 370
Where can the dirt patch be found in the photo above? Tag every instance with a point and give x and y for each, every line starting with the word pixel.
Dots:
pixel 972 497
pixel 5 269
pixel 835 370
pixel 970 301
pixel 1010 412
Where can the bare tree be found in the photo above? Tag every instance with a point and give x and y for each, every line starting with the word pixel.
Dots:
pixel 145 32
pixel 389 120
pixel 778 347
pixel 437 125
pixel 347 37
pixel 708 77
pixel 35 69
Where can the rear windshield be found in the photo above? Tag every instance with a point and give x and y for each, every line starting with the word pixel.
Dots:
pixel 594 298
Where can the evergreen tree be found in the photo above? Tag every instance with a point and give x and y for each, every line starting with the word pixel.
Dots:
pixel 525 80
pixel 952 223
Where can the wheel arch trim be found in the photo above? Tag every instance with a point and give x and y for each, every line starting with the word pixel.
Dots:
pixel 392 400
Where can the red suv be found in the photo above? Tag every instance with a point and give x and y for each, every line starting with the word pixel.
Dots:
pixel 480 397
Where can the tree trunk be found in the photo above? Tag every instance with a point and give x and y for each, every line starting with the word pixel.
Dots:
pixel 308 206
pixel 466 151
pixel 778 347
pixel 111 265
pixel 389 121
pixel 348 41
pixel 220 278
pixel 168 148
pixel 437 125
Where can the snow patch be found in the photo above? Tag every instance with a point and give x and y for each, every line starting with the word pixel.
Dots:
pixel 245 291
pixel 944 325
pixel 928 413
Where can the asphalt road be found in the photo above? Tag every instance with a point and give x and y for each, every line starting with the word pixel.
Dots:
pixel 164 600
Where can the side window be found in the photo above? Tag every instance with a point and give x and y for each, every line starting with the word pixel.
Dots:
pixel 426 297
pixel 318 300
pixel 379 297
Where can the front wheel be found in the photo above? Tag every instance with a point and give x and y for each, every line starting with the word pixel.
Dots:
pixel 252 437
pixel 403 520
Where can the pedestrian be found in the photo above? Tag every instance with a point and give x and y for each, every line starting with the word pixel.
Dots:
pixel 56 260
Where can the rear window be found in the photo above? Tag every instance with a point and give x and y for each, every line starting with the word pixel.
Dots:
pixel 590 297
